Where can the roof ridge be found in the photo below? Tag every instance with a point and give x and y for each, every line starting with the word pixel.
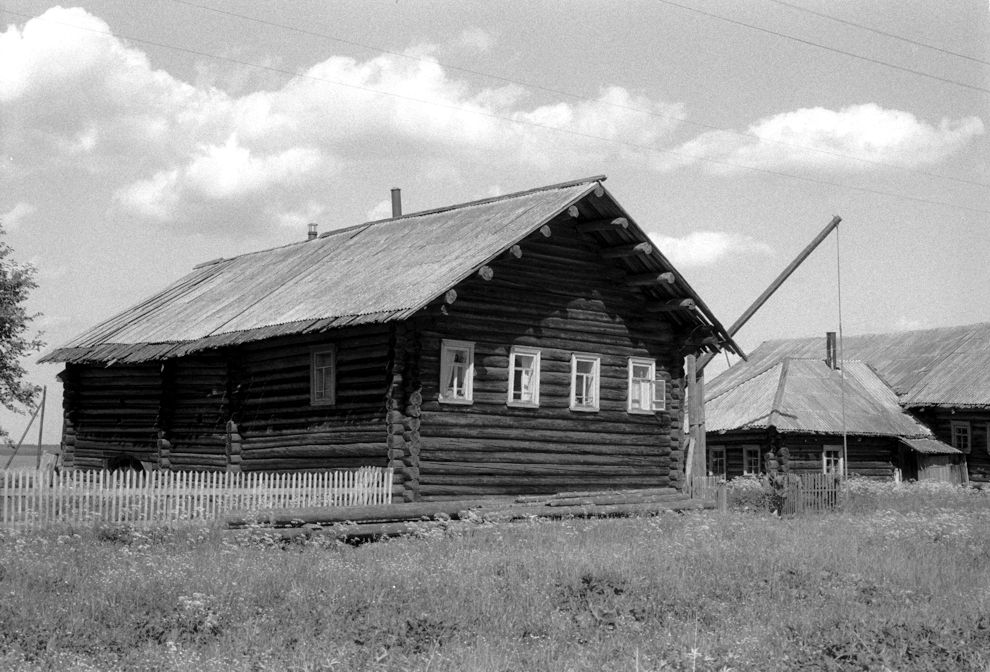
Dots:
pixel 364 225
pixel 493 199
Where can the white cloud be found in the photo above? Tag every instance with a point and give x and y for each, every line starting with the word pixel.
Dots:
pixel 382 210
pixel 79 99
pixel 704 248
pixel 912 323
pixel 854 138
pixel 475 39
pixel 14 217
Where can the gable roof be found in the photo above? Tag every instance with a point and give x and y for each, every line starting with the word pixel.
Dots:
pixel 375 272
pixel 807 396
pixel 948 366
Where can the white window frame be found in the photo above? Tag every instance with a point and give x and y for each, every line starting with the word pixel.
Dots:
pixel 534 401
pixel 328 398
pixel 448 348
pixel 747 453
pixel 961 425
pixel 658 388
pixel 717 452
pixel 833 454
pixel 596 372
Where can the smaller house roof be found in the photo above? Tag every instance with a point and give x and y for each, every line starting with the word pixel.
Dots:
pixel 930 447
pixel 798 395
pixel 944 367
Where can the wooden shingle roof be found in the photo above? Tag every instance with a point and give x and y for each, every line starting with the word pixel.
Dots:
pixel 944 367
pixel 806 396
pixel 375 272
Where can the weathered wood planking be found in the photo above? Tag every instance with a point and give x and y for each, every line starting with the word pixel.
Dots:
pixel 553 298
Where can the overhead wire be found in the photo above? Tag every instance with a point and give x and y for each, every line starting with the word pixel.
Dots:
pixel 877 31
pixel 835 50
pixel 572 95
pixel 512 120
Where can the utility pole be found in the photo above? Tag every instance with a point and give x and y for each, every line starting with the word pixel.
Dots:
pixel 695 464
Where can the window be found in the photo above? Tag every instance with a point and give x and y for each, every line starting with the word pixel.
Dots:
pixel 751 460
pixel 646 393
pixel 456 372
pixel 832 460
pixel 323 376
pixel 716 461
pixel 524 377
pixel 584 382
pixel 961 437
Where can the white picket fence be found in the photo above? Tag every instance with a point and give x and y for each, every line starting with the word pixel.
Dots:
pixel 38 499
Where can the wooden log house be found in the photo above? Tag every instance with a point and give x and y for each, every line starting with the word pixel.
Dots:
pixel 528 343
pixel 913 404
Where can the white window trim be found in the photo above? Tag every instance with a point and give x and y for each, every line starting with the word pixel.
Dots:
pixel 531 352
pixel 961 424
pixel 746 452
pixel 658 394
pixel 449 346
pixel 712 450
pixel 840 465
pixel 596 372
pixel 331 398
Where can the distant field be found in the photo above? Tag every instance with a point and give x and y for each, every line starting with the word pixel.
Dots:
pixel 26 457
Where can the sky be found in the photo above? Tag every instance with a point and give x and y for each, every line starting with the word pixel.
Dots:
pixel 140 138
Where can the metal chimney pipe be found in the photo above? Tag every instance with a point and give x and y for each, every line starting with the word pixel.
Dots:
pixel 831 360
pixel 311 234
pixel 396 202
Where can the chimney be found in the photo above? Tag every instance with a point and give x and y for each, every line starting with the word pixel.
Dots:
pixel 396 202
pixel 831 360
pixel 311 234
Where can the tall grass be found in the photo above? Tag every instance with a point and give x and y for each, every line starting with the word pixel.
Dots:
pixel 880 588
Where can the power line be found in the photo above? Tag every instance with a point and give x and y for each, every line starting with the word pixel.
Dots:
pixel 823 46
pixel 511 120
pixel 877 31
pixel 575 96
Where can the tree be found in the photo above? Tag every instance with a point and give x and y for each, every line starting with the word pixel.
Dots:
pixel 16 338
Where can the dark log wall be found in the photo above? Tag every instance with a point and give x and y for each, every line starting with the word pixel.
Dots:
pixel 733 444
pixel 245 408
pixel 874 457
pixel 940 420
pixel 555 297
pixel 109 412
pixel 195 410
pixel 280 430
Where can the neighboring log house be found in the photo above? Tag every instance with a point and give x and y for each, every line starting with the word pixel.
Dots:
pixel 526 343
pixel 914 404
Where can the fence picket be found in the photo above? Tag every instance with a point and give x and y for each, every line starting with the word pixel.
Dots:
pixel 37 499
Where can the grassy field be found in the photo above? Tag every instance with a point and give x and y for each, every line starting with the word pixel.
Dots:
pixel 26 457
pixel 901 581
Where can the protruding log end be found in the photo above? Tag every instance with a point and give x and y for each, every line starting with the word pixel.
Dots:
pixel 545 231
pixel 603 225
pixel 628 250
pixel 450 296
pixel 516 251
pixel 573 211
pixel 672 305
pixel 599 191
pixel 651 279
pixel 486 273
